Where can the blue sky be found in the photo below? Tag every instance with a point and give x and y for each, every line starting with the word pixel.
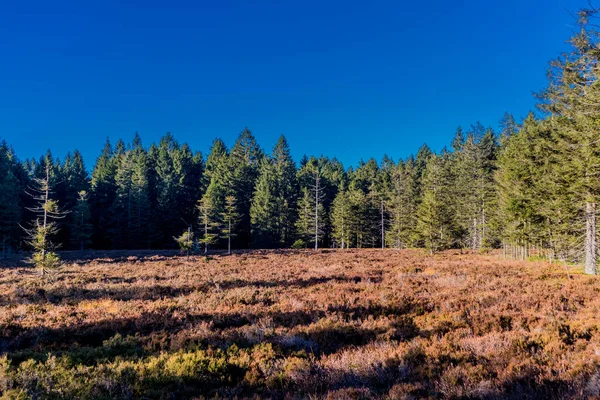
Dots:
pixel 351 79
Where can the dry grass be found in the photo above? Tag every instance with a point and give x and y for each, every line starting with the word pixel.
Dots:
pixel 337 324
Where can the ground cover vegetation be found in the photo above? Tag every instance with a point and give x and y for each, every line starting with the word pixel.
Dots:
pixel 352 323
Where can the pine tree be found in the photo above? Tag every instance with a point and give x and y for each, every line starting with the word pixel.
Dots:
pixel 508 127
pixel 341 219
pixel 186 242
pixel 167 188
pixel 287 191
pixel 229 220
pixel 331 174
pixel 81 227
pixel 572 102
pixel 121 209
pixel 103 197
pixel 534 206
pixel 208 221
pixel 244 162
pixel 217 163
pixel 44 226
pixel 140 204
pixel 264 211
pixel 10 188
pixel 435 221
pixel 274 203
pixel 366 180
pixel 311 217
pixel 474 196
pixel 403 205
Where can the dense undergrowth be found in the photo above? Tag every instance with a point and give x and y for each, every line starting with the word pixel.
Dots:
pixel 294 324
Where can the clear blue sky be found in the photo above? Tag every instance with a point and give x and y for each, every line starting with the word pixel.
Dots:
pixel 352 79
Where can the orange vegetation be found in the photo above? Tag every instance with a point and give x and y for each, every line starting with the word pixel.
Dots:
pixel 336 324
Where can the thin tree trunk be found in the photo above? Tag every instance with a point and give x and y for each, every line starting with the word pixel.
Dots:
pixel 46 197
pixel 343 228
pixel 316 213
pixel 482 238
pixel 382 227
pixel 205 237
pixel 590 238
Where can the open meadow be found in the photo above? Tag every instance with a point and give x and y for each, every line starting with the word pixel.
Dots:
pixel 295 324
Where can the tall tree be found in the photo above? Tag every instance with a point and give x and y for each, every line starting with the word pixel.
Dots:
pixel 140 212
pixel 435 220
pixel 167 189
pixel 244 163
pixel 311 210
pixel 103 196
pixel 229 220
pixel 287 191
pixel 342 219
pixel 10 189
pixel 572 102
pixel 265 208
pixel 81 227
pixel 403 205
pixel 274 203
pixel 209 222
pixel 473 165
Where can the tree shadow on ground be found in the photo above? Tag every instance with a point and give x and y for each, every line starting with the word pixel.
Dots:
pixel 222 331
pixel 129 291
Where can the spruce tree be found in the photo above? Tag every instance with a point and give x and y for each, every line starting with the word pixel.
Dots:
pixel 140 212
pixel 341 219
pixel 209 222
pixel 186 242
pixel 435 220
pixel 287 191
pixel 44 226
pixel 572 102
pixel 167 188
pixel 81 227
pixel 103 197
pixel 229 220
pixel 311 217
pixel 264 211
pixel 403 204
pixel 10 189
pixel 244 162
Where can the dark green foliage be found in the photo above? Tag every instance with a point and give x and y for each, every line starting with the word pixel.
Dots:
pixel 11 210
pixel 274 204
pixel 103 196
pixel 435 219
pixel 81 228
pixel 244 164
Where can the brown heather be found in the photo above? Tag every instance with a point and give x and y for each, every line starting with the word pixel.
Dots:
pixel 292 324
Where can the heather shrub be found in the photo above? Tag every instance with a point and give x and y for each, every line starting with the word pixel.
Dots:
pixel 337 324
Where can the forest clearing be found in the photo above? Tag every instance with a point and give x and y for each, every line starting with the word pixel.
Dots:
pixel 352 323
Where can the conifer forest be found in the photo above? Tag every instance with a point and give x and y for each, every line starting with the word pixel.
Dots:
pixel 157 271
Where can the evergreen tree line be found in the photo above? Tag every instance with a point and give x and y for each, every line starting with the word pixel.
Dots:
pixel 140 197
pixel 528 188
